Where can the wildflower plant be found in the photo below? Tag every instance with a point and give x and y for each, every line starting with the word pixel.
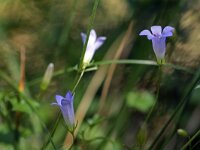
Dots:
pixel 158 38
pixel 95 118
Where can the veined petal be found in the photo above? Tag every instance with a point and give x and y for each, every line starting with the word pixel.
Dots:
pixel 83 35
pixel 147 33
pixel 159 47
pixel 69 96
pixel 100 40
pixel 68 112
pixel 59 99
pixel 89 53
pixel 92 38
pixel 156 30
pixel 168 31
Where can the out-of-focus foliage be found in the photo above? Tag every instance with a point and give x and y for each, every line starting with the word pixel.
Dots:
pixel 142 101
pixel 121 96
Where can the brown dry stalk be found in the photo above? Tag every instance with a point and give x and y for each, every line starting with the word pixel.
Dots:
pixel 22 70
pixel 112 67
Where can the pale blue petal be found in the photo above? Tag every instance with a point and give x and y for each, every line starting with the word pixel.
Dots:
pixel 59 99
pixel 147 33
pixel 100 40
pixel 69 96
pixel 156 30
pixel 68 112
pixel 83 35
pixel 168 31
pixel 93 34
pixel 159 47
pixel 92 38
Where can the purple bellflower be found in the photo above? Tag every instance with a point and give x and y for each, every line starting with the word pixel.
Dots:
pixel 67 109
pixel 93 44
pixel 158 38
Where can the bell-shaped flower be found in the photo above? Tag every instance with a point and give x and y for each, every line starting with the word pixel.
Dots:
pixel 158 38
pixel 67 108
pixel 93 44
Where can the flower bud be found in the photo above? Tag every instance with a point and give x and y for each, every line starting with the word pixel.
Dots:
pixel 47 76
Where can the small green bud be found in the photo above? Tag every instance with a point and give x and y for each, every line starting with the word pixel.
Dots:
pixel 182 132
pixel 47 76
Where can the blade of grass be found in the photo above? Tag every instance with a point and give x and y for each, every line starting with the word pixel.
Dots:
pixel 191 139
pixel 106 86
pixel 64 36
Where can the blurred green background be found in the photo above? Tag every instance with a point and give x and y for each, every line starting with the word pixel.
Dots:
pixel 122 95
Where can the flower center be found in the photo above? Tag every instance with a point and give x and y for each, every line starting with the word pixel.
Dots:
pixel 157 35
pixel 64 102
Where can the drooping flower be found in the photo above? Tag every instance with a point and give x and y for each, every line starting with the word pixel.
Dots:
pixel 93 44
pixel 67 108
pixel 158 38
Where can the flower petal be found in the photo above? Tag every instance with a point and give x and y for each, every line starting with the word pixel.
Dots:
pixel 147 33
pixel 92 38
pixel 159 47
pixel 168 31
pixel 100 40
pixel 156 30
pixel 83 35
pixel 68 112
pixel 69 96
pixel 59 99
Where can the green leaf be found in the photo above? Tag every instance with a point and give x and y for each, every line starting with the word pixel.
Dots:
pixel 141 101
pixel 22 105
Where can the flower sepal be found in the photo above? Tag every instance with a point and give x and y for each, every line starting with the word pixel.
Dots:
pixel 71 129
pixel 161 61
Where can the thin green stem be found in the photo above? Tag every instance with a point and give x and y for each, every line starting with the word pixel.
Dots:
pixel 69 22
pixel 194 145
pixel 82 57
pixel 191 139
pixel 93 66
pixel 157 94
pixel 53 130
pixel 140 62
pixel 78 81
pixel 92 17
pixel 155 102
pixel 125 61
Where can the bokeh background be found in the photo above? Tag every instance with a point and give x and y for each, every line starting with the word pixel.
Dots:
pixel 121 95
